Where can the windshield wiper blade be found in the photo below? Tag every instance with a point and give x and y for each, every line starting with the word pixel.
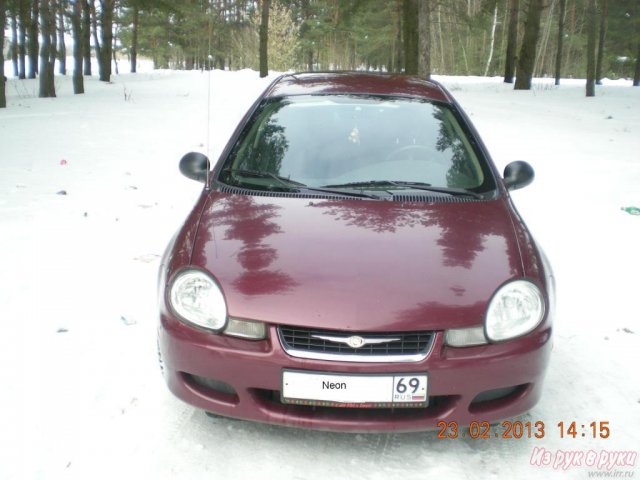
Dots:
pixel 415 185
pixel 286 182
pixel 297 186
pixel 344 193
pixel 430 188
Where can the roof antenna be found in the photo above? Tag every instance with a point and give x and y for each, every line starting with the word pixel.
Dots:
pixel 208 152
pixel 208 64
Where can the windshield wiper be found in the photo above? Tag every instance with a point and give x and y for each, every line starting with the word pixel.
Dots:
pixel 415 185
pixel 284 181
pixel 295 186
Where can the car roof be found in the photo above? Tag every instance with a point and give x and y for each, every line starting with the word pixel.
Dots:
pixel 362 83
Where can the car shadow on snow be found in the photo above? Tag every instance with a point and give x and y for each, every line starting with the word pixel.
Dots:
pixel 393 450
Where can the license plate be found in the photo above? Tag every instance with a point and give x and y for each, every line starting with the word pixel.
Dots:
pixel 357 391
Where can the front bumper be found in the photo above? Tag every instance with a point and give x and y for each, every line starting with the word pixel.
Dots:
pixel 246 378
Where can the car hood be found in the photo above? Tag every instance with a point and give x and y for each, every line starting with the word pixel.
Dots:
pixel 357 265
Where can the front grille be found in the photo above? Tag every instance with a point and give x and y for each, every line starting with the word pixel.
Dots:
pixel 403 346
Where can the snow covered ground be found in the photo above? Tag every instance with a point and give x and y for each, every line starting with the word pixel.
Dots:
pixel 82 396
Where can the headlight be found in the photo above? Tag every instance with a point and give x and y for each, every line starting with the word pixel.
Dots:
pixel 196 298
pixel 515 309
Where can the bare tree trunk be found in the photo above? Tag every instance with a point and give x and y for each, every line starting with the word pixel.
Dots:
pixel 464 53
pixel 14 38
pixel 264 38
pixel 591 47
pixel 94 33
pixel 106 30
pixel 115 58
pixel 570 25
pixel 451 47
pixel 304 32
pixel 3 96
pixel 541 54
pixel 62 48
pixel 53 53
pixel 527 57
pixel 33 39
pixel 563 7
pixel 410 36
pixel 134 38
pixel 602 35
pixel 443 64
pixel 114 39
pixel 424 34
pixel 399 60
pixel 309 60
pixel 53 34
pixel 504 27
pixel 47 85
pixel 512 42
pixel 76 29
pixel 23 12
pixel 86 36
pixel 493 39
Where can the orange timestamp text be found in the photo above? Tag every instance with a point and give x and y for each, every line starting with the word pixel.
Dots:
pixel 510 429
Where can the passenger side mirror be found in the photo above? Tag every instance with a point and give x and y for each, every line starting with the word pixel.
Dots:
pixel 195 165
pixel 518 174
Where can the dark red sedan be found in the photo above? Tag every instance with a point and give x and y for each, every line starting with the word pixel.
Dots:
pixel 355 263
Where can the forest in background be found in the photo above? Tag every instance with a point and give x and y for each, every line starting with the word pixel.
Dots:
pixel 519 39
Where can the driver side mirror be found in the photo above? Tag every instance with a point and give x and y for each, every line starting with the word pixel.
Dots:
pixel 195 165
pixel 517 175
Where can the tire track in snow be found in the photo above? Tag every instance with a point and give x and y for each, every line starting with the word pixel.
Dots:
pixel 384 452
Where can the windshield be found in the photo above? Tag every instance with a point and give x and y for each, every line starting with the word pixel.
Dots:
pixel 355 141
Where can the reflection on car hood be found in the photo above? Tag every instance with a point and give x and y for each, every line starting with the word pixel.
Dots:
pixel 356 264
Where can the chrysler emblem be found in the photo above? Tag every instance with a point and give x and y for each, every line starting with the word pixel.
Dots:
pixel 355 341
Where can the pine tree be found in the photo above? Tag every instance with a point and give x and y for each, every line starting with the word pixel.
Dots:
pixel 46 80
pixel 62 48
pixel 106 39
pixel 264 38
pixel 3 98
pixel 591 47
pixel 86 37
pixel 424 34
pixel 561 20
pixel 134 37
pixel 602 33
pixel 527 57
pixel 306 43
pixel 512 41
pixel 76 29
pixel 13 13
pixel 622 40
pixel 33 41
pixel 23 21
pixel 410 36
pixel 636 75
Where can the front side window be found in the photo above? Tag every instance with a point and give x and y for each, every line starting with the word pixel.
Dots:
pixel 347 140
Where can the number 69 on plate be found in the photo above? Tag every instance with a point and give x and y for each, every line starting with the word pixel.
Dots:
pixel 410 388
